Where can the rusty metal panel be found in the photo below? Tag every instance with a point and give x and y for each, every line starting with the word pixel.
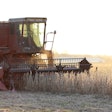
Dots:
pixel 4 34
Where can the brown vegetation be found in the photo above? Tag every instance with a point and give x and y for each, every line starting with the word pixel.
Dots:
pixel 98 82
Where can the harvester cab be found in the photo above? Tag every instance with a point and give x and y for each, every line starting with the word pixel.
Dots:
pixel 29 33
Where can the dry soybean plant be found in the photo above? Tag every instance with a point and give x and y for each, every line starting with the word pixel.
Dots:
pixel 99 81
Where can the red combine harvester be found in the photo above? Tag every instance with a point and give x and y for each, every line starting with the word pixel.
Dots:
pixel 22 44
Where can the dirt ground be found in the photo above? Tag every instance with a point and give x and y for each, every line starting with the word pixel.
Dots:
pixel 52 102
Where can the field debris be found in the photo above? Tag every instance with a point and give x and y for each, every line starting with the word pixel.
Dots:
pixel 48 102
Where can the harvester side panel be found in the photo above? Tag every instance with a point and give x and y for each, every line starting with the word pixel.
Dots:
pixel 4 34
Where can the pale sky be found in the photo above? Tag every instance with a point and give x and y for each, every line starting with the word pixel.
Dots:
pixel 83 26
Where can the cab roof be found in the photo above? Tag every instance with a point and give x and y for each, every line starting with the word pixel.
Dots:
pixel 29 19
